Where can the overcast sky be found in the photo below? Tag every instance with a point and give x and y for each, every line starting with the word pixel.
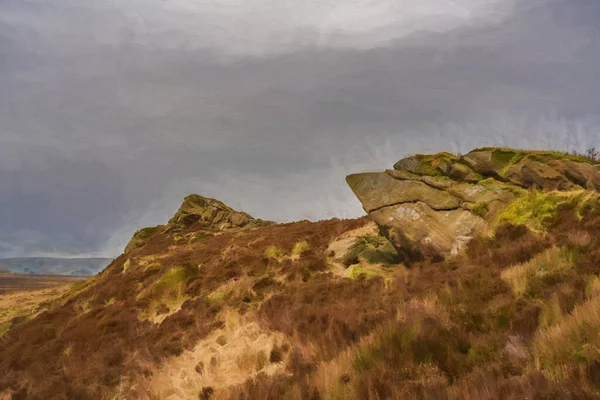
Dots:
pixel 112 111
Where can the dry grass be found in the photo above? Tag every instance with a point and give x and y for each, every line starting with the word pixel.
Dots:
pixel 551 265
pixel 225 358
pixel 17 306
pixel 515 317
pixel 458 330
pixel 574 341
pixel 112 349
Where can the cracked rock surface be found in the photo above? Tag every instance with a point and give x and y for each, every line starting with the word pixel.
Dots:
pixel 433 205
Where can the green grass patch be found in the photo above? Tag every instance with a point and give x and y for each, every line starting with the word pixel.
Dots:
pixel 300 248
pixel 274 253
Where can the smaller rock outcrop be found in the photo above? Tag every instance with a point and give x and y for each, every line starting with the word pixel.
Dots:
pixel 203 216
pixel 433 205
pixel 211 214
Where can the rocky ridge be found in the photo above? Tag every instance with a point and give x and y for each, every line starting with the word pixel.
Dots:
pixel 433 205
pixel 216 304
pixel 197 218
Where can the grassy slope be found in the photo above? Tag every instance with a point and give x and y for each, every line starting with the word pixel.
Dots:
pixel 257 314
pixel 106 333
pixel 518 318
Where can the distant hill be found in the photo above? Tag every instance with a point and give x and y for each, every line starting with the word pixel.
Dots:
pixel 54 266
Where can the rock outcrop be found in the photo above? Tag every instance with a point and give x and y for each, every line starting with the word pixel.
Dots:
pixel 433 205
pixel 201 216
pixel 210 214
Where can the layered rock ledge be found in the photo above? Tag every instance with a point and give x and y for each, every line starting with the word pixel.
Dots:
pixel 433 205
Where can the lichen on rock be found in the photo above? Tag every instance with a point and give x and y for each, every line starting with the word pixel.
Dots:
pixel 199 216
pixel 433 205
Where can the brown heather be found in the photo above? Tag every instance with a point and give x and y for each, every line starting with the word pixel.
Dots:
pixel 517 317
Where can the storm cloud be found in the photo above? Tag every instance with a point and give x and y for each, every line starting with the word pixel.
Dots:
pixel 111 112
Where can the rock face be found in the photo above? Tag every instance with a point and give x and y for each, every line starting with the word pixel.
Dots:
pixel 433 205
pixel 201 215
pixel 210 213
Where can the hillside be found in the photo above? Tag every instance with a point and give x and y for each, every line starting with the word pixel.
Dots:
pixel 472 277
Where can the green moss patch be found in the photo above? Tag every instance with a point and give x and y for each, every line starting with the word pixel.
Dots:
pixel 532 209
pixel 505 156
pixel 358 272
pixel 432 164
pixel 373 250
pixel 367 271
pixel 480 208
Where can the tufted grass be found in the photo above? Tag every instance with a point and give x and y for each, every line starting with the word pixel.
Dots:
pixel 572 342
pixel 552 265
pixel 274 253
pixel 299 248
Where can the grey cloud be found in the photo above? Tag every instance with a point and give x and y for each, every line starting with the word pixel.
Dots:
pixel 105 130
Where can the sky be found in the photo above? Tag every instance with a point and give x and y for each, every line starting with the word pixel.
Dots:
pixel 112 111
